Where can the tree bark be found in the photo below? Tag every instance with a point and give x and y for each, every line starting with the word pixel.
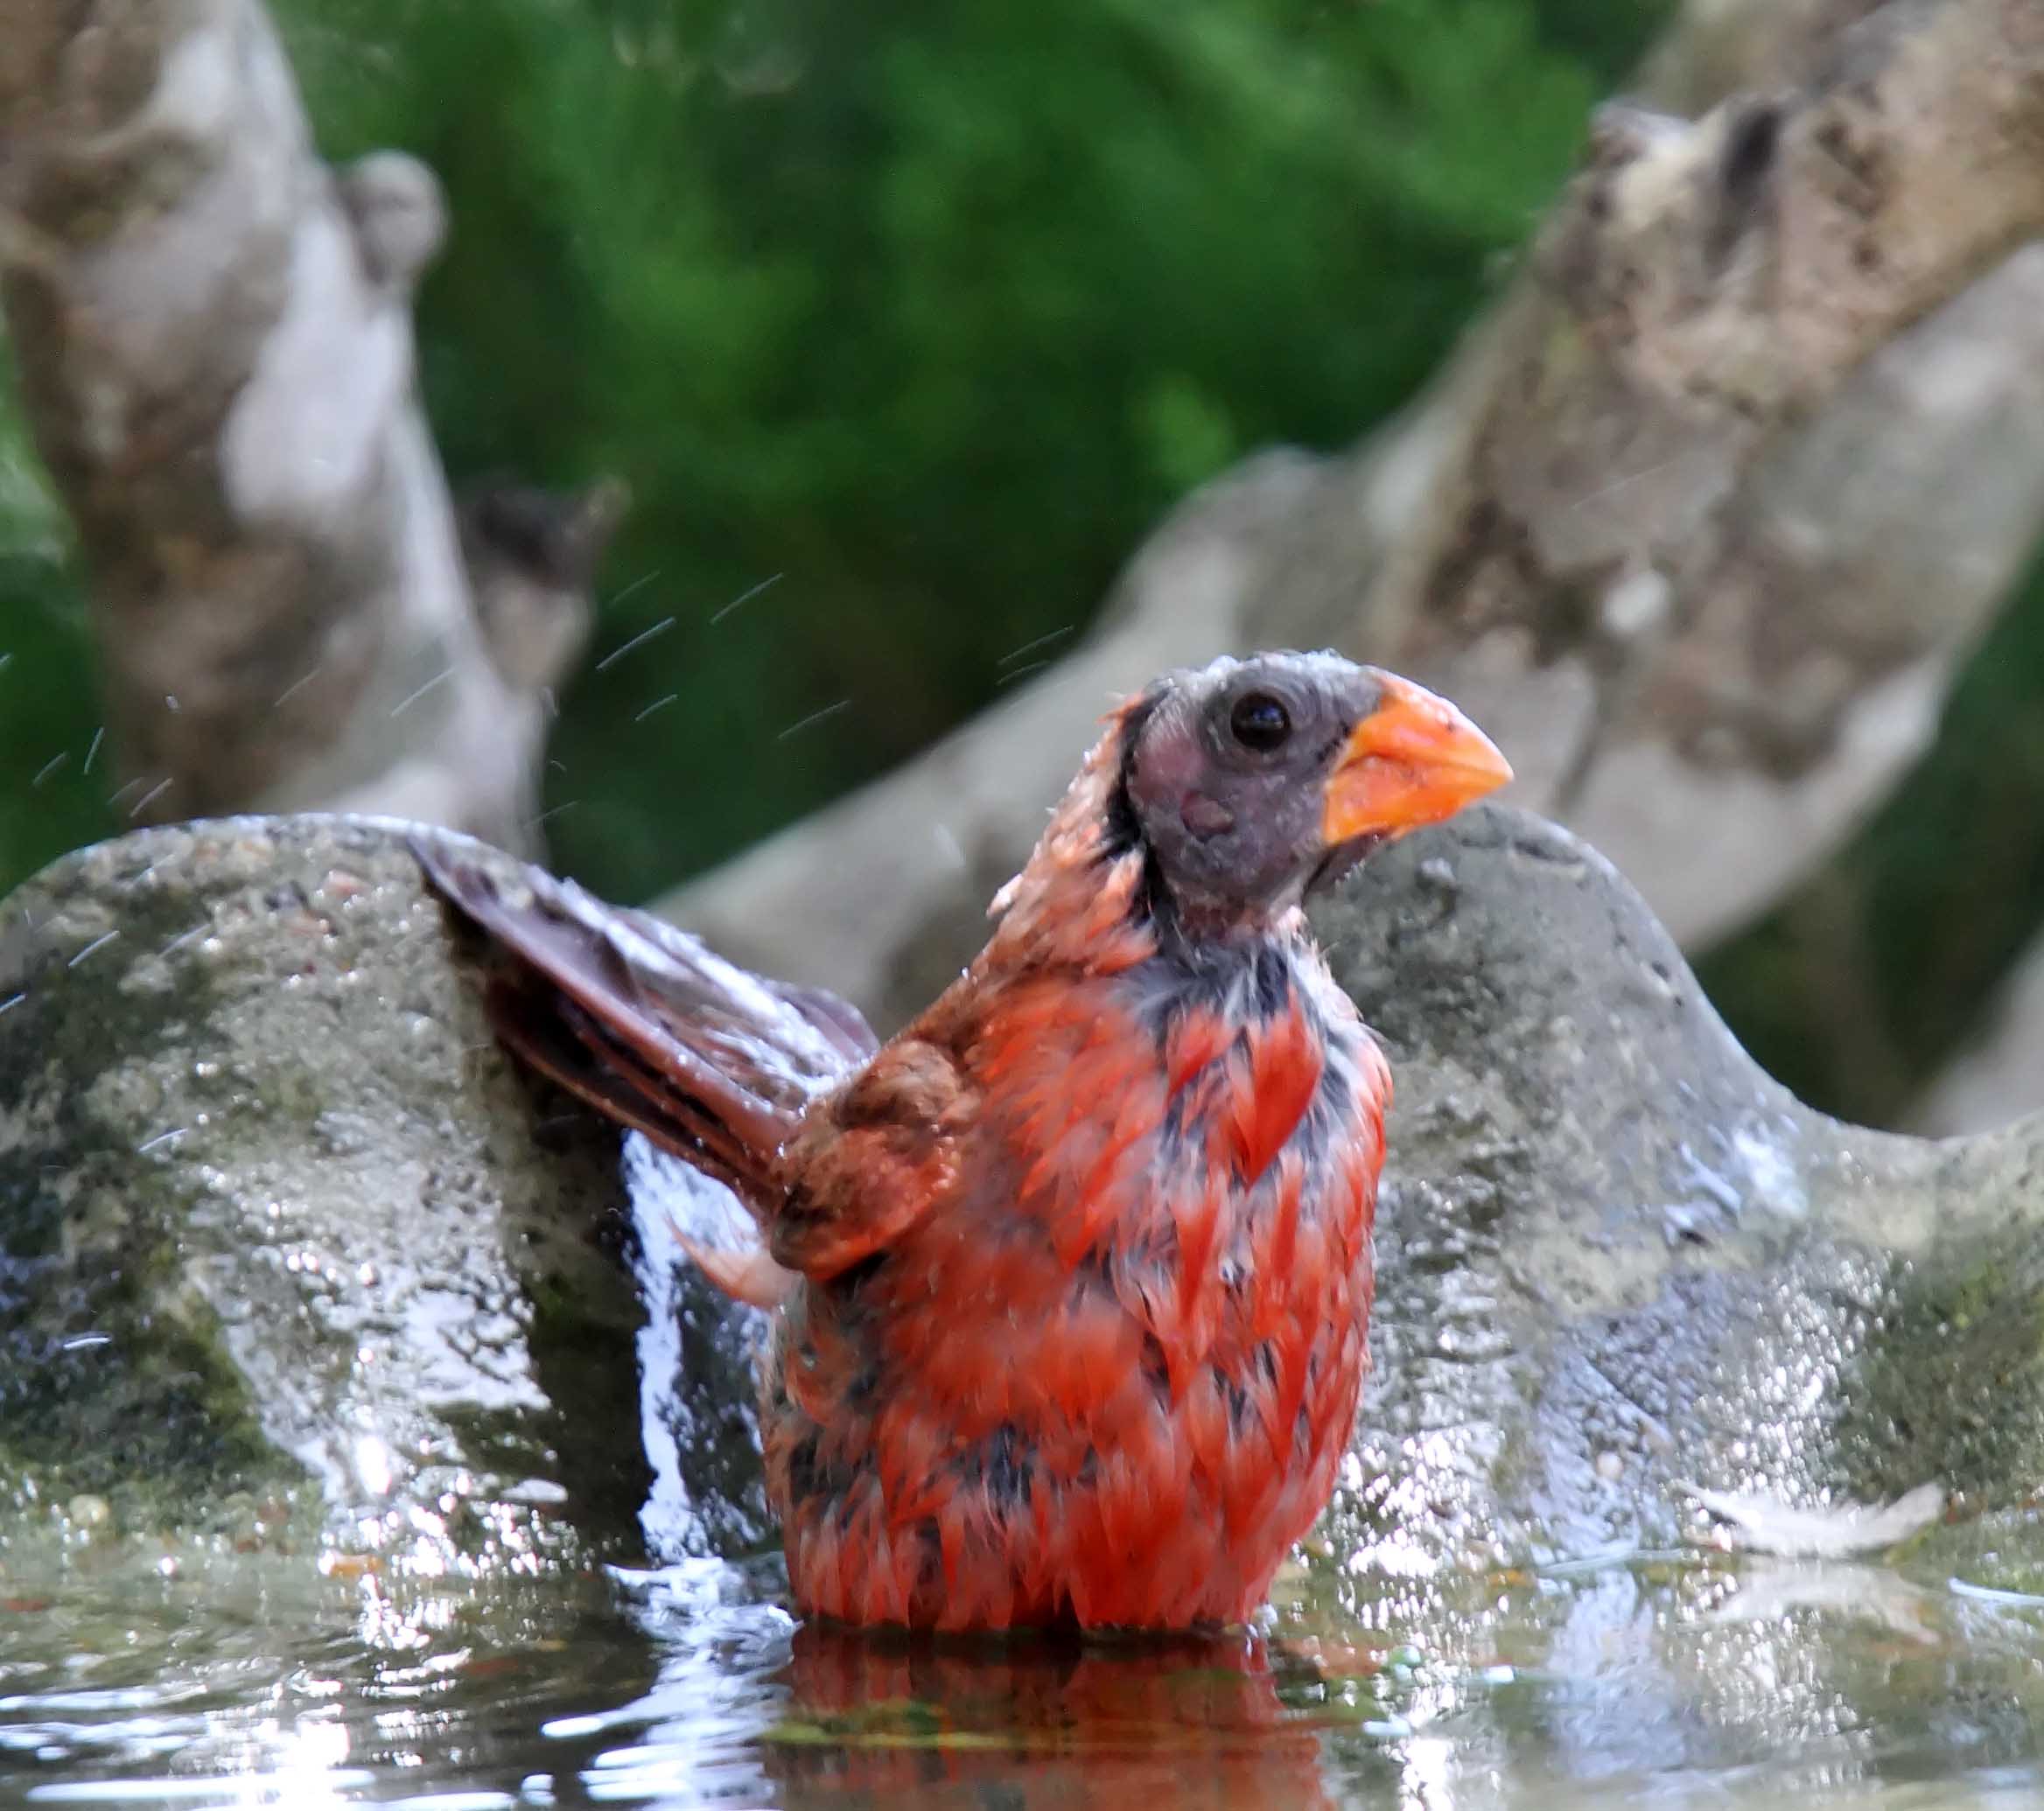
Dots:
pixel 1698 520
pixel 214 340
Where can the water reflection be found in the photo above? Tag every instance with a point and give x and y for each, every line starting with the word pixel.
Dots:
pixel 751 1707
pixel 1193 1723
pixel 246 1678
pixel 1672 1679
pixel 695 1737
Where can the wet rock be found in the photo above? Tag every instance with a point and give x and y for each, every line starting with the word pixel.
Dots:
pixel 282 1226
pixel 1639 1311
pixel 289 1251
pixel 1617 1263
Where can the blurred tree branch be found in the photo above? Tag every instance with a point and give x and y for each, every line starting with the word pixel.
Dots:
pixel 1891 957
pixel 1995 1082
pixel 1698 520
pixel 214 339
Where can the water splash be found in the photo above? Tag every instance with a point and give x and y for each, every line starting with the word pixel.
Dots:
pixel 670 1198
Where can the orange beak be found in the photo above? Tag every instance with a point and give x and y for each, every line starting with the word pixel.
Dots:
pixel 1413 761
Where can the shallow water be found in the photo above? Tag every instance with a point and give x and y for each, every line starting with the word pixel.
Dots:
pixel 1680 1679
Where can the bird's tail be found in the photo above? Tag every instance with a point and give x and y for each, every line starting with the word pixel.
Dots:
pixel 651 1027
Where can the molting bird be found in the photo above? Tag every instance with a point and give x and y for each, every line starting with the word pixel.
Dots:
pixel 1070 1278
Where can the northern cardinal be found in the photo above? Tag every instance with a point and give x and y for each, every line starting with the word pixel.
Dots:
pixel 1072 1276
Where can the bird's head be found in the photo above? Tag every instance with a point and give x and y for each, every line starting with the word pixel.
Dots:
pixel 1249 783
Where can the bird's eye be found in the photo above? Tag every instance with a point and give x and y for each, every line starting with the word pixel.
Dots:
pixel 1259 721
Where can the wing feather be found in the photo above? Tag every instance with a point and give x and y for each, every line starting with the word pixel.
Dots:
pixel 650 1025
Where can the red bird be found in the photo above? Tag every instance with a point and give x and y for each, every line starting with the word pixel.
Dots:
pixel 1073 1275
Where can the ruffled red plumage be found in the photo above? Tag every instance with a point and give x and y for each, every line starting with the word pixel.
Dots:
pixel 1073 1274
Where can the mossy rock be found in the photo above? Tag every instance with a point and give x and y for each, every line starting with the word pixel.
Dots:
pixel 1616 1260
pixel 279 1224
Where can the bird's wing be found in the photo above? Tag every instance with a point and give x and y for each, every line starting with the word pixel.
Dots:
pixel 650 1025
pixel 887 1149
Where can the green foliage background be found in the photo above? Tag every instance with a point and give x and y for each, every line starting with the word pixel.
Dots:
pixel 930 309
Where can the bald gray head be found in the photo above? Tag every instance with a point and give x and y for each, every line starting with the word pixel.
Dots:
pixel 1250 782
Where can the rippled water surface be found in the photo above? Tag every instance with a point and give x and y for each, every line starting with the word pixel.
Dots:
pixel 229 1680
